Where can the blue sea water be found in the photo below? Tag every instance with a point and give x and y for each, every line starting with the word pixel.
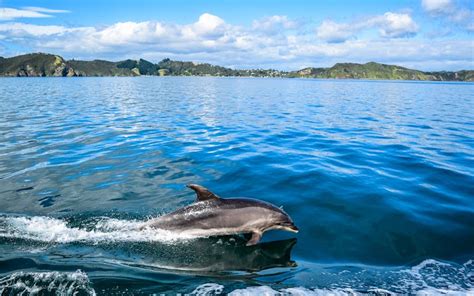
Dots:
pixel 378 176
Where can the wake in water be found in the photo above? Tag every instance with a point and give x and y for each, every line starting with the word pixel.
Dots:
pixel 121 242
pixel 427 278
pixel 151 250
pixel 46 283
pixel 52 230
pixel 214 289
pixel 430 277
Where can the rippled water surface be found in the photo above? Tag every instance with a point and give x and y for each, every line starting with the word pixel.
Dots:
pixel 378 176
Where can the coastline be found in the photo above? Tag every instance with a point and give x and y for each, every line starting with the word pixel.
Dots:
pixel 50 65
pixel 257 77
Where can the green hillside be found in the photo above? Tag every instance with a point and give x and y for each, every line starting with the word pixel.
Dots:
pixel 194 69
pixel 35 64
pixel 365 71
pixel 99 68
pixel 141 67
pixel 41 64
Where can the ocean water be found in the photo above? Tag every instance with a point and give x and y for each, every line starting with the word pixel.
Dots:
pixel 378 176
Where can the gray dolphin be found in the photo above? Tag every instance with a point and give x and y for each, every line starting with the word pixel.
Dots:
pixel 211 215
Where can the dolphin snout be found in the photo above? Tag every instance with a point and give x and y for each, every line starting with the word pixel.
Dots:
pixel 290 226
pixel 294 228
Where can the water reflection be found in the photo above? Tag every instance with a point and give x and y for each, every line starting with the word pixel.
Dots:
pixel 207 255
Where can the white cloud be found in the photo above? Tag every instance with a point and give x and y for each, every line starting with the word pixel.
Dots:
pixel 28 30
pixel 212 39
pixel 208 25
pixel 333 32
pixel 437 6
pixel 126 32
pixel 396 25
pixel 385 50
pixel 45 10
pixel 391 25
pixel 208 33
pixel 451 11
pixel 275 23
pixel 204 31
pixel 12 13
pixel 7 14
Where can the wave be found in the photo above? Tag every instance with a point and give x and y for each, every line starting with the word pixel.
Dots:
pixel 216 289
pixel 52 230
pixel 121 242
pixel 301 291
pixel 430 277
pixel 46 283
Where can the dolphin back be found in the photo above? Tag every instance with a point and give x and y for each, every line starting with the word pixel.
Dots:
pixel 211 215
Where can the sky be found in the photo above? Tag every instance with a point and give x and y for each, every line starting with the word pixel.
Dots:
pixel 429 35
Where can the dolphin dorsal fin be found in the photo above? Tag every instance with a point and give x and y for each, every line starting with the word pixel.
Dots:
pixel 202 193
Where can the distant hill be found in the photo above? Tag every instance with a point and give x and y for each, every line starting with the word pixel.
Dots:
pixel 42 64
pixel 35 64
pixel 194 69
pixel 99 68
pixel 364 71
pixel 374 70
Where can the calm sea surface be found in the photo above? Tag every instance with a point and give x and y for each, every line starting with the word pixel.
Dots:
pixel 378 176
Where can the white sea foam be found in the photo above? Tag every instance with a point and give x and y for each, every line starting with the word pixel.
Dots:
pixel 39 283
pixel 54 230
pixel 430 277
pixel 208 289
pixel 216 289
pixel 301 291
pixel 267 291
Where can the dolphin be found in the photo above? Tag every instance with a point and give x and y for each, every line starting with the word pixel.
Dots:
pixel 211 215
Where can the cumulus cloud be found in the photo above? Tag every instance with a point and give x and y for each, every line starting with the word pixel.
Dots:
pixel 7 14
pixel 391 25
pixel 208 33
pixel 207 28
pixel 212 39
pixel 207 25
pixel 396 25
pixel 126 32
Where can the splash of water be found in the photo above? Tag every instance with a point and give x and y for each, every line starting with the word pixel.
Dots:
pixel 430 277
pixel 42 283
pixel 52 230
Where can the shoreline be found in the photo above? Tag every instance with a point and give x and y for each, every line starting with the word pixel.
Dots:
pixel 259 77
pixel 50 65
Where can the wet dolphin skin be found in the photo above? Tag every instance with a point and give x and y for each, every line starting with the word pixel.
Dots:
pixel 211 215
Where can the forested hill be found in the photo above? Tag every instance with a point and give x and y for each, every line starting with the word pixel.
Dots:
pixel 41 64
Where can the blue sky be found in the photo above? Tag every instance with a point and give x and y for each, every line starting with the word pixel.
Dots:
pixel 421 34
